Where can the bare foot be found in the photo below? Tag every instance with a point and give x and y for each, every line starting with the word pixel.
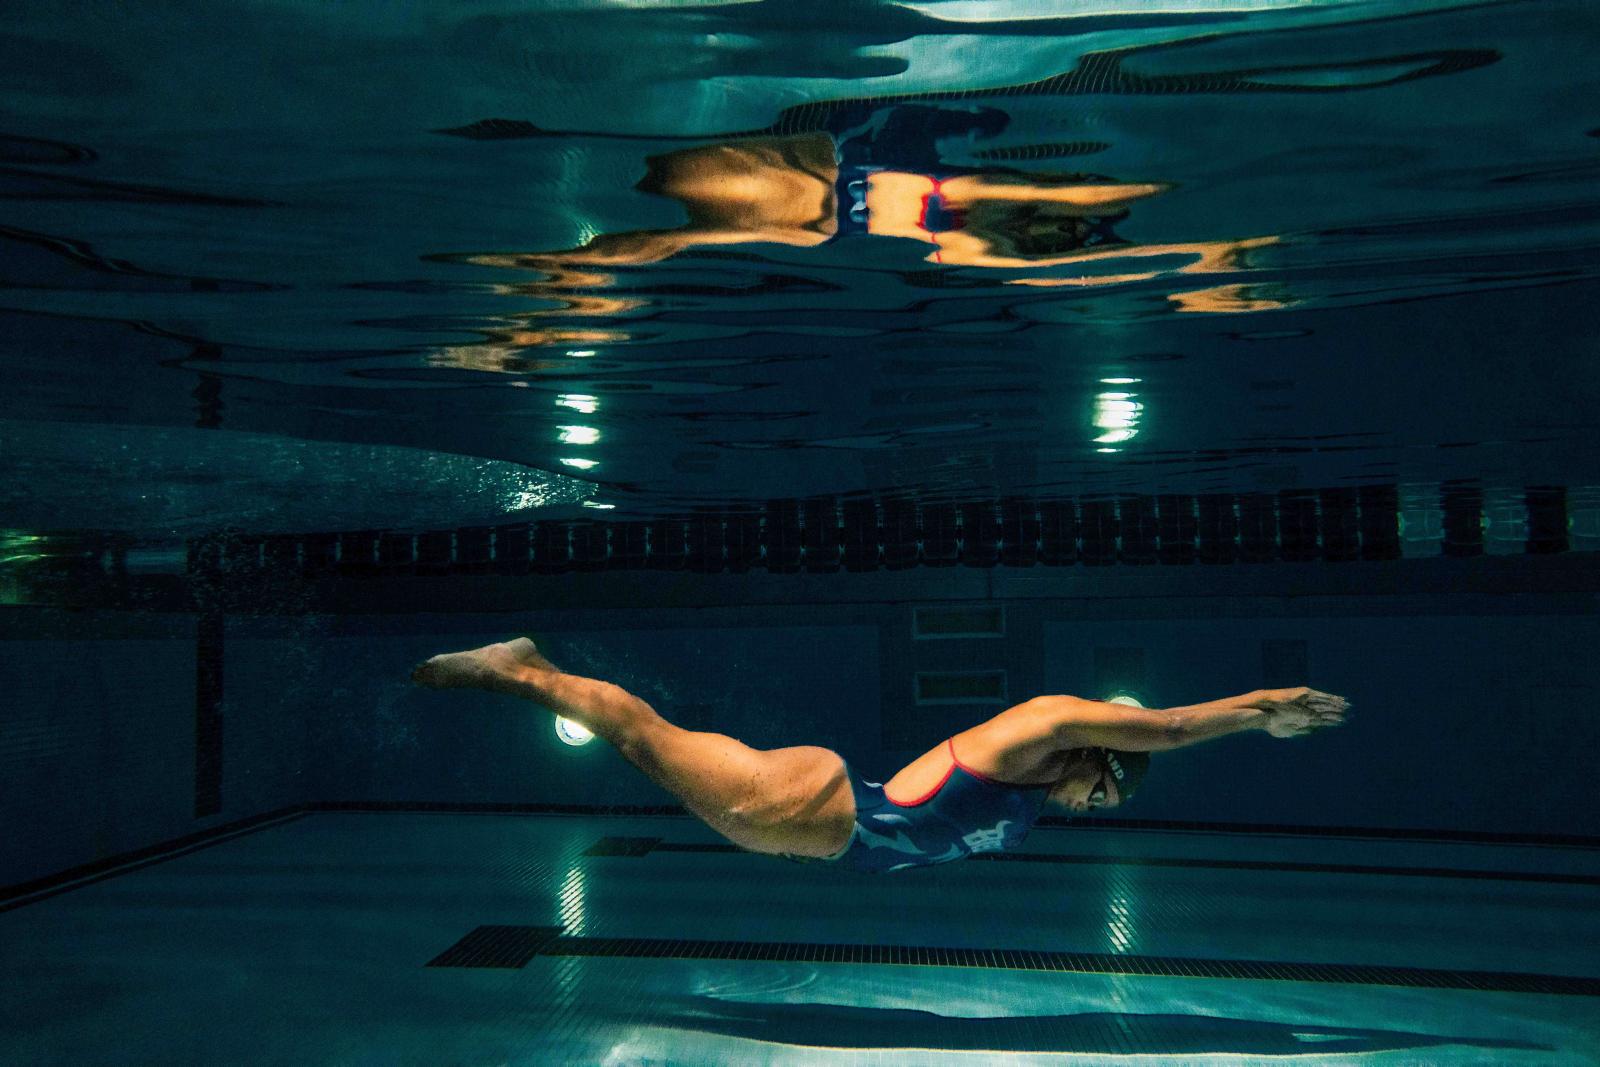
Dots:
pixel 497 667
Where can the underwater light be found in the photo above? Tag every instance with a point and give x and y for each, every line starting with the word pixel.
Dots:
pixel 600 506
pixel 1122 696
pixel 581 353
pixel 578 435
pixel 571 733
pixel 581 464
pixel 579 402
pixel 1120 381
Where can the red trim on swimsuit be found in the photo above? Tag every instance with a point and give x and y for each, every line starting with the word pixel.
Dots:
pixel 979 775
pixel 922 224
pixel 930 794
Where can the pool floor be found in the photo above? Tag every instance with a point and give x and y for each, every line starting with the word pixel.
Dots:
pixel 443 938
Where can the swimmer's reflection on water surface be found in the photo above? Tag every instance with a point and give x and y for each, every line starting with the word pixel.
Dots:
pixel 794 191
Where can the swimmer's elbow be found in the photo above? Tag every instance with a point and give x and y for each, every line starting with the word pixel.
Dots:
pixel 1170 732
pixel 1154 730
pixel 1096 724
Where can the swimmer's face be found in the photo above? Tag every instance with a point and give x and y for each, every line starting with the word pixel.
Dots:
pixel 1086 783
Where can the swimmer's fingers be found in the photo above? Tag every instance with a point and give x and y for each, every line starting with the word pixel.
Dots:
pixel 1323 703
pixel 1285 719
pixel 1325 710
pixel 1306 713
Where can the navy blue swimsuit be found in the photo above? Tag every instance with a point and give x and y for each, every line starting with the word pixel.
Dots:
pixel 964 814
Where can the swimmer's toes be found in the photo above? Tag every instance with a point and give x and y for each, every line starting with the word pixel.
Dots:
pixel 452 670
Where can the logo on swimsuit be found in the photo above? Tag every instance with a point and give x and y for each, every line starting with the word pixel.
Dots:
pixel 899 842
pixel 992 840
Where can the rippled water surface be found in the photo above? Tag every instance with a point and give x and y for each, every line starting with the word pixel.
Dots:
pixel 301 265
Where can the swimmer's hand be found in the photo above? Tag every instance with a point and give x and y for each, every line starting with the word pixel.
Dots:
pixel 1297 712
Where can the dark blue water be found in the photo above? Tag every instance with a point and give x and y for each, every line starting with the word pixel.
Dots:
pixel 298 267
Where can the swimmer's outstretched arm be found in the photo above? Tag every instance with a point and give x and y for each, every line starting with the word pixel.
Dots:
pixel 1280 712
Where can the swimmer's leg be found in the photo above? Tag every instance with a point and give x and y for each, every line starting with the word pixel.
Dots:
pixel 794 800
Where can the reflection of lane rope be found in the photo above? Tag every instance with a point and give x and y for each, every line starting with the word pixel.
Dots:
pixel 1098 73
pixel 1031 152
pixel 1102 73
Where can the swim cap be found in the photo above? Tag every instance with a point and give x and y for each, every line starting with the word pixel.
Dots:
pixel 1128 769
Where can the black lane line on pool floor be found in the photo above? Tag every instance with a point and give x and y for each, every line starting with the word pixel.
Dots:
pixel 512 947
pixel 15 896
pixel 636 847
pixel 1048 822
pixel 507 947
